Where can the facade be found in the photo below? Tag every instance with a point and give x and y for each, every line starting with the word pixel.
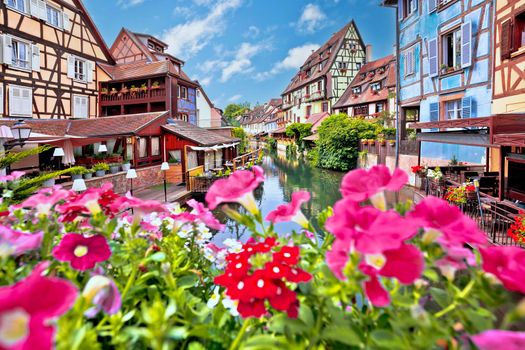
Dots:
pixel 50 51
pixel 146 79
pixel 325 75
pixel 207 114
pixel 263 118
pixel 445 70
pixel 371 94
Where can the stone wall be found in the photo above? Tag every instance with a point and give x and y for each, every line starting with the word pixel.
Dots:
pixel 146 177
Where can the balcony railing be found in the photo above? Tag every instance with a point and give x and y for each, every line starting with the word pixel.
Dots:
pixel 315 96
pixel 152 95
pixel 409 147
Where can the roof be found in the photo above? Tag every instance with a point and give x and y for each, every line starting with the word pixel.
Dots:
pixel 313 137
pixel 364 79
pixel 200 136
pixel 137 70
pixel 316 120
pixel 121 125
pixel 315 58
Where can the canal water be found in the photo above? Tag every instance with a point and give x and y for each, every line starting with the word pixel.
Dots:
pixel 283 177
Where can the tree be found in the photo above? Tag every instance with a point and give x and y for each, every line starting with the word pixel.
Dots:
pixel 243 137
pixel 234 110
pixel 299 131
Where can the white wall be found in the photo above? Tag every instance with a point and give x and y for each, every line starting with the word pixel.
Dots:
pixel 204 111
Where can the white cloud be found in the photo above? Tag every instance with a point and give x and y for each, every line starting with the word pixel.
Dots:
pixel 311 19
pixel 294 60
pixel 187 39
pixel 129 3
pixel 205 81
pixel 241 62
pixel 235 98
pixel 253 32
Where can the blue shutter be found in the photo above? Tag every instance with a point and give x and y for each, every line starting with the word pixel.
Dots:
pixel 432 5
pixel 417 4
pixel 466 44
pixel 466 106
pixel 433 57
pixel 400 9
pixel 434 112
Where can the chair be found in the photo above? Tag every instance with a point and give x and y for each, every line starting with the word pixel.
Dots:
pixel 488 184
pixel 491 173
pixel 470 175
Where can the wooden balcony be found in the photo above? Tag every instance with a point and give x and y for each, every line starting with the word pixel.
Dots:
pixel 119 98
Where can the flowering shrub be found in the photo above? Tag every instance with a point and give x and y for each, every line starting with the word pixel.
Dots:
pixel 517 229
pixel 458 194
pixel 419 170
pixel 84 271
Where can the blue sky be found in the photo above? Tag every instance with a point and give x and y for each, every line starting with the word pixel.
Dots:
pixel 244 50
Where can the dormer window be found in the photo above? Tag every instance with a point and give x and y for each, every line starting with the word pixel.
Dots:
pixel 375 86
pixel 356 90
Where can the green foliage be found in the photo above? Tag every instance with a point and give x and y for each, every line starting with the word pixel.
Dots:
pixel 12 157
pixel 338 144
pixel 101 166
pixel 299 131
pixel 243 137
pixel 272 143
pixel 389 132
pixel 79 170
pixel 234 110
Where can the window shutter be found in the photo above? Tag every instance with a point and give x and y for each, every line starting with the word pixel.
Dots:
pixel 506 39
pixel 1 99
pixel 90 66
pixel 70 66
pixel 35 62
pixel 434 112
pixel 34 9
pixel 66 22
pixel 466 44
pixel 433 57
pixel 416 3
pixel 400 8
pixel 432 6
pixel 20 101
pixel 7 49
pixel 466 106
pixel 85 107
pixel 42 10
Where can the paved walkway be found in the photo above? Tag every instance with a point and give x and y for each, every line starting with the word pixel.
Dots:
pixel 176 193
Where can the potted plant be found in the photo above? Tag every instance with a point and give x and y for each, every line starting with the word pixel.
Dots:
pixel 134 89
pixel 88 174
pixel 155 85
pixel 392 142
pixel 381 141
pixel 144 88
pixel 49 182
pixel 77 174
pixel 126 165
pixel 100 169
pixel 114 168
pixel 343 71
pixel 113 91
pixel 364 142
pixel 371 142
pixel 124 90
pixel 104 91
pixel 444 69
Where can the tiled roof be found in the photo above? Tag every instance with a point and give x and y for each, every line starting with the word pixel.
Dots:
pixel 137 70
pixel 315 59
pixel 316 120
pixel 364 79
pixel 200 136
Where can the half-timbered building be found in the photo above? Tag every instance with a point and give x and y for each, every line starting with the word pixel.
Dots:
pixel 49 55
pixel 325 75
pixel 146 79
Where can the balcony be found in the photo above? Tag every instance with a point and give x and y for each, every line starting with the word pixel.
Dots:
pixel 317 95
pixel 133 96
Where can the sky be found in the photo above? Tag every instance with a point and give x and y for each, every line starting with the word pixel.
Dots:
pixel 244 50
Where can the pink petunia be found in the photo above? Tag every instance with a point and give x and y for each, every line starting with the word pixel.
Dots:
pixel 507 264
pixel 140 205
pixel 17 243
pixel 104 294
pixel 338 257
pixel 15 175
pixel 83 253
pixel 237 188
pixel 45 199
pixel 361 184
pixel 291 211
pixel 499 339
pixel 455 227
pixel 205 215
pixel 370 229
pixel 406 264
pixel 28 308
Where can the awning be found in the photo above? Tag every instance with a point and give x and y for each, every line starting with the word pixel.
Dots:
pixel 213 148
pixel 313 137
pixel 472 138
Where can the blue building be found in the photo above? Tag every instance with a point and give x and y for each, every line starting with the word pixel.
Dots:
pixel 445 71
pixel 187 102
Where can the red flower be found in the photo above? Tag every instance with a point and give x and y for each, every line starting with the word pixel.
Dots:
pixel 253 286
pixel 417 169
pixel 83 253
pixel 28 307
pixel 507 264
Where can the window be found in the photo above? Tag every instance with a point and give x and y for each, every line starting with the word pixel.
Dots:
pixel 80 69
pixel 54 16
pixel 410 62
pixel 20 54
pixel 155 146
pixel 19 5
pixel 513 35
pixel 183 117
pixel 342 65
pixel 80 106
pixel 375 86
pixel 308 90
pixel 143 147
pixel 325 107
pixel 20 101
pixel 319 86
pixel 453 109
pixel 356 90
pixel 407 7
pixel 361 110
pixel 380 107
pixel 358 65
pixel 451 53
pixel 308 111
pixel 183 92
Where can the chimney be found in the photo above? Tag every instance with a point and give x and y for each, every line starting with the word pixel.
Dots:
pixel 368 53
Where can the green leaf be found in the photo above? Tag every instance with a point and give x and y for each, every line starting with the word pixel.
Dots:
pixel 178 333
pixel 386 339
pixel 341 334
pixel 159 257
pixel 196 346
pixel 440 296
pixel 265 342
pixel 187 281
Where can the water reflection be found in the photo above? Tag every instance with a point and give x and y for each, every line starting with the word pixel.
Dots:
pixel 283 177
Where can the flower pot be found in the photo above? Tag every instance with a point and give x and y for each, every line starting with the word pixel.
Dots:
pixel 76 176
pixel 88 176
pixel 126 166
pixel 114 169
pixel 49 183
pixel 100 173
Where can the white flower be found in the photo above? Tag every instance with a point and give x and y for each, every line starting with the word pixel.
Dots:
pixel 214 299
pixel 233 245
pixel 209 254
pixel 231 306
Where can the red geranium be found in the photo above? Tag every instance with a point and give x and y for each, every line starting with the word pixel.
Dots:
pixel 517 229
pixel 258 274
pixel 417 169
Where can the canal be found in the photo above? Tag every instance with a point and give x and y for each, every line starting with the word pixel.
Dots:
pixel 283 177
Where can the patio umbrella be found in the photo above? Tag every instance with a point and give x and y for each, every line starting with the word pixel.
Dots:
pixel 69 155
pixel 5 132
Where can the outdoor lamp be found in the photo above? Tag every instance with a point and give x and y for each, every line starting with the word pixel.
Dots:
pixel 131 174
pixel 21 131
pixel 102 148
pixel 165 167
pixel 79 185
pixel 58 152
